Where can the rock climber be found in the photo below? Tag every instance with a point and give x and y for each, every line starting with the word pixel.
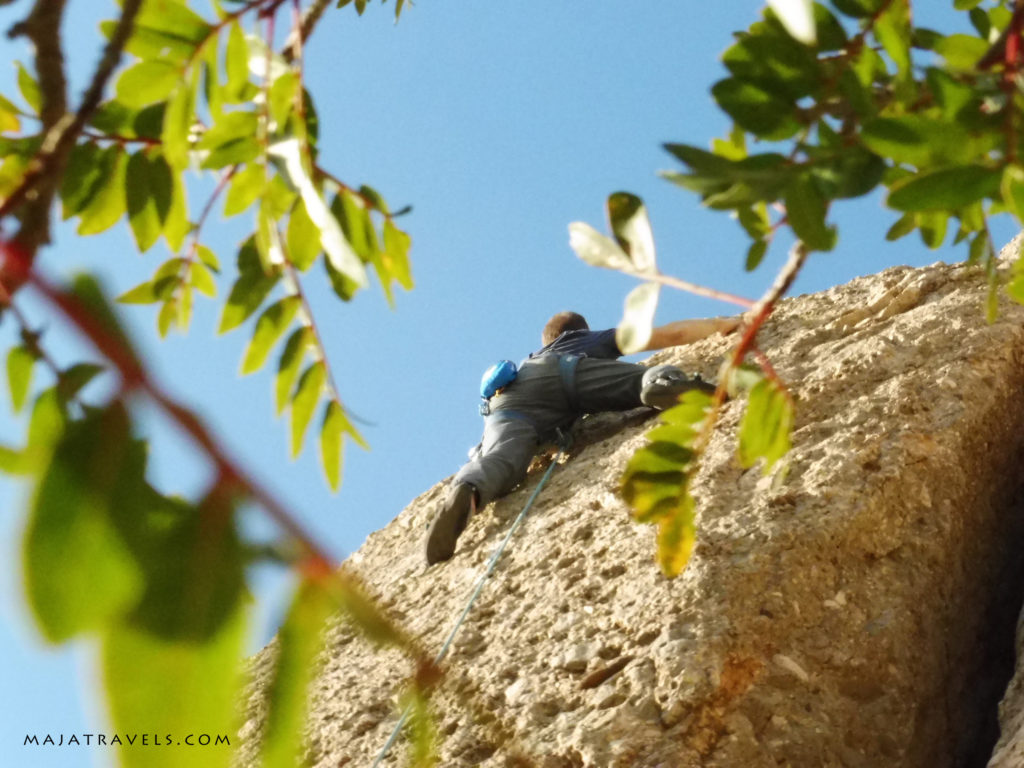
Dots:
pixel 576 372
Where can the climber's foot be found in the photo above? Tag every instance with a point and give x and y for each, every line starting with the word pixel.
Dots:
pixel 450 523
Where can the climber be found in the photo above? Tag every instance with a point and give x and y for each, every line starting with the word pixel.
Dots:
pixel 576 372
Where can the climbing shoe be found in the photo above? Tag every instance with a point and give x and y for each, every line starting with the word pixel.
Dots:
pixel 663 385
pixel 450 523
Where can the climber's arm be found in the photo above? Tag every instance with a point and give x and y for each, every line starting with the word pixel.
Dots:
pixel 687 331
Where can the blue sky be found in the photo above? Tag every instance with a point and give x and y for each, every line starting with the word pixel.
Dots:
pixel 500 124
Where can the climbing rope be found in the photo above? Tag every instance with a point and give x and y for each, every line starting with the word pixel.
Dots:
pixel 491 564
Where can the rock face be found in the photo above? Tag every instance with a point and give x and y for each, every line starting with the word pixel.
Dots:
pixel 856 611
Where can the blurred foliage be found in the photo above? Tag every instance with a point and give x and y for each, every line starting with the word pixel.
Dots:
pixel 829 102
pixel 160 582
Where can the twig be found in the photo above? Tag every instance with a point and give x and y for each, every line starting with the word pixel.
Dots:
pixel 43 176
pixel 299 35
pixel 134 376
pixel 685 285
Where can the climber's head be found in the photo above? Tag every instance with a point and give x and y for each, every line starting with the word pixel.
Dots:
pixel 562 322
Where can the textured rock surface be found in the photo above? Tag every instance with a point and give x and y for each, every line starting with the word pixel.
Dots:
pixel 846 614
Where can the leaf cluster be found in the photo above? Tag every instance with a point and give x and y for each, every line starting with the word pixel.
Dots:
pixel 868 100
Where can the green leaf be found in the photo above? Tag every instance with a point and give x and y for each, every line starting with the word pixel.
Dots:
pixel 933 225
pixel 301 639
pixel 331 448
pixel 283 94
pixel 1012 190
pixel 892 28
pixel 631 227
pixel 904 226
pixel 236 62
pixel 289 363
pixel 79 572
pixel 137 666
pixel 965 5
pixel 72 380
pixel 20 361
pixel 420 727
pixel 948 189
pixel 806 210
pixel 597 249
pixel 920 141
pixel 858 8
pixel 304 401
pixel 208 257
pixel 755 109
pixel 961 52
pixel 201 279
pixel 149 189
pixel 9 122
pixel 396 254
pixel 245 188
pixel 766 425
pixel 755 254
pixel 146 82
pixel 248 291
pixel 107 204
pixel 29 89
pixel 82 178
pixel 303 238
pixel 354 218
pixel 177 124
pixel 677 534
pixel 269 328
pixel 177 225
pixel 45 426
pixel 634 330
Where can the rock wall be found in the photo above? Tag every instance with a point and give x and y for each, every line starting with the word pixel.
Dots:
pixel 855 611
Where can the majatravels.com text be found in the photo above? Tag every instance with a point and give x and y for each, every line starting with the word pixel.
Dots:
pixel 126 740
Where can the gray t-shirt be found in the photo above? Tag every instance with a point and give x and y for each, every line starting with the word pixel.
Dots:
pixel 600 344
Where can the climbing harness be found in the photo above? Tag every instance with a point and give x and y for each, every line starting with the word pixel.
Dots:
pixel 564 444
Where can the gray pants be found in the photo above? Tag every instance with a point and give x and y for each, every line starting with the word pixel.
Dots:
pixel 537 404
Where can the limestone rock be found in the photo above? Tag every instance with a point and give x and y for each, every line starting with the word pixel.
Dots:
pixel 840 614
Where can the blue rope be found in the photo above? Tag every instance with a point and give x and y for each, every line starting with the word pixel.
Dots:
pixel 472 599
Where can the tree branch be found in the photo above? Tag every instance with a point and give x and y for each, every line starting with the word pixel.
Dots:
pixel 43 177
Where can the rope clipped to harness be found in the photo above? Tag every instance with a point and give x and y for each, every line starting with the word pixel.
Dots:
pixel 564 444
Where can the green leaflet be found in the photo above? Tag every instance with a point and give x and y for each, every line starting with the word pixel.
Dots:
pixel 270 326
pixel 331 442
pixel 631 227
pixel 677 535
pixel 301 642
pixel 657 478
pixel 20 362
pixel 947 189
pixel 29 89
pixel 245 188
pixel 79 571
pixel 289 363
pixel 755 109
pixel 149 193
pixel 303 238
pixel 806 210
pixel 249 290
pixel 107 203
pixel 137 669
pixel 766 425
pixel 177 123
pixel 304 400
pixel 146 82
pixel 421 728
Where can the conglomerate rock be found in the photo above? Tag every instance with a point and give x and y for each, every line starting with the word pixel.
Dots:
pixel 854 610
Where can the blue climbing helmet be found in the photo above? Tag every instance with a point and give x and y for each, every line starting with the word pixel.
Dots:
pixel 498 376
